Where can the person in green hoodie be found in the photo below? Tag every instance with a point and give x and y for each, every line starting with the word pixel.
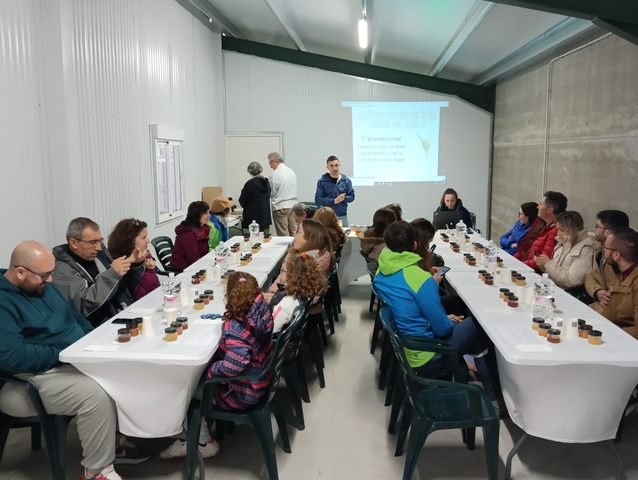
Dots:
pixel 413 296
pixel 36 324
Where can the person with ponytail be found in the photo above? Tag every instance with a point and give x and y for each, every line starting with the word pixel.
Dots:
pixel 304 280
pixel 245 348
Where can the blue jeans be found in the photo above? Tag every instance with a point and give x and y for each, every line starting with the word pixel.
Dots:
pixel 344 221
pixel 468 339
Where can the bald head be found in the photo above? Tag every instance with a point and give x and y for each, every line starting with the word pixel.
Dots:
pixel 29 253
pixel 31 267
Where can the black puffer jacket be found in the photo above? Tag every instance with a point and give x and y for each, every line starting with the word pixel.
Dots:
pixel 255 200
pixel 467 220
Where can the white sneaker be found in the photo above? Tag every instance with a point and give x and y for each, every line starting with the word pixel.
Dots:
pixel 178 449
pixel 107 473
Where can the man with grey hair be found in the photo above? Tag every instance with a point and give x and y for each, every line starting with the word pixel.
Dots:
pixel 90 280
pixel 283 195
pixel 255 199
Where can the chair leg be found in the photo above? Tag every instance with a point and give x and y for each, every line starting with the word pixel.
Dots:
pixel 406 420
pixel 36 436
pixel 397 404
pixel 394 368
pixel 193 422
pixel 289 373
pixel 330 316
pixel 490 438
pixel 52 442
pixel 303 382
pixel 5 427
pixel 419 433
pixel 387 354
pixel 275 408
pixel 61 424
pixel 220 430
pixel 469 435
pixel 314 342
pixel 322 329
pixel 375 334
pixel 372 297
pixel 262 426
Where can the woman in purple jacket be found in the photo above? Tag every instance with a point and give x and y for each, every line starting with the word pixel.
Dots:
pixel 128 235
pixel 526 217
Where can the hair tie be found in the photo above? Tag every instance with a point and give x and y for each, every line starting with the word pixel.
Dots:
pixel 303 254
pixel 242 279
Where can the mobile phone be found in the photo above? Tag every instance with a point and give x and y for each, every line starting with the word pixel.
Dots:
pixel 443 271
pixel 122 321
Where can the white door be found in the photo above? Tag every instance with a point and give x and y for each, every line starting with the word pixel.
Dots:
pixel 241 149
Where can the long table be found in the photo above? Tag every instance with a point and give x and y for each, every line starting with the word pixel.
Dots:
pixel 152 381
pixel 570 392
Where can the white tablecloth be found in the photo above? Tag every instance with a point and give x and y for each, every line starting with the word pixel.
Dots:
pixel 352 265
pixel 150 380
pixel 574 393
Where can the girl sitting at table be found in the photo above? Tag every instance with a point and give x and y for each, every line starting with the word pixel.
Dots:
pixel 128 235
pixel 526 217
pixel 372 243
pixel 191 236
pixel 304 279
pixel 245 348
pixel 311 237
pixel 329 219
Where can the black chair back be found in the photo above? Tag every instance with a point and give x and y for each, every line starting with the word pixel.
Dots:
pixel 296 337
pixel 164 250
pixel 280 355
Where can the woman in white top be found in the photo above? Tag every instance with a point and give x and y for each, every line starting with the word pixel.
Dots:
pixel 304 279
pixel 574 254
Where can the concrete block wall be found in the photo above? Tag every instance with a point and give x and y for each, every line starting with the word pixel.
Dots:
pixel 593 134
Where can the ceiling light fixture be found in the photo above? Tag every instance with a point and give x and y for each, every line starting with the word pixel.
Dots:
pixel 363 33
pixel 210 20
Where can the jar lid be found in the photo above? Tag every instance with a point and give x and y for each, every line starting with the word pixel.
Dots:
pixel 182 319
pixel 513 298
pixel 521 277
pixel 482 271
pixel 198 300
pixel 509 294
pixel 130 325
pixel 514 272
pixel 209 292
pixel 553 331
pixel 595 333
pixel 138 319
pixel 487 276
pixel 581 322
pixel 175 324
pixel 467 254
pixel 586 327
pixel 499 259
pixel 195 276
pixel 538 320
pixel 122 331
pixel 471 257
pixel 504 290
pixel 170 330
pixel 230 271
pixel 545 326
pixel 203 270
pixel 203 296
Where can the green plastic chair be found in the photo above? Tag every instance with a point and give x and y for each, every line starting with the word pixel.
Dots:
pixel 257 418
pixel 54 428
pixel 443 405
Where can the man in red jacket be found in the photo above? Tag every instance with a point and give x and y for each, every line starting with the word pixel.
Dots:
pixel 541 238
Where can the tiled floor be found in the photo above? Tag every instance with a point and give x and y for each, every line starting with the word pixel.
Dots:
pixel 346 434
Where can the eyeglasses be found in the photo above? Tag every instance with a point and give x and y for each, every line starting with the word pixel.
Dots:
pixel 598 227
pixel 43 276
pixel 612 249
pixel 93 243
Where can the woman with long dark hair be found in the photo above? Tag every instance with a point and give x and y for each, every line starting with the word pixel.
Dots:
pixel 191 236
pixel 372 243
pixel 450 202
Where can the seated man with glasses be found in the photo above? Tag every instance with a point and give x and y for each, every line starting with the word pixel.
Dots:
pixel 37 324
pixel 90 280
pixel 615 288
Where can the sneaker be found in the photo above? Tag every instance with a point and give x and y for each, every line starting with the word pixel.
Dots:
pixel 107 473
pixel 178 449
pixel 128 453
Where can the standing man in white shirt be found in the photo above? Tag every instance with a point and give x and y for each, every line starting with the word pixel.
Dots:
pixel 283 195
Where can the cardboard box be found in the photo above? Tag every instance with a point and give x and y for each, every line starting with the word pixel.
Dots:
pixel 208 193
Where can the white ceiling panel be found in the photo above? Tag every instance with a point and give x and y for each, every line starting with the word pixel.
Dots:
pixel 503 31
pixel 255 20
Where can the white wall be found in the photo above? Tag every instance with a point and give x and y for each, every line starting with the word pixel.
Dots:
pixel 305 104
pixel 80 83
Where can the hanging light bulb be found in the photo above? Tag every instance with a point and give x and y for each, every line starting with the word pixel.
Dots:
pixel 363 33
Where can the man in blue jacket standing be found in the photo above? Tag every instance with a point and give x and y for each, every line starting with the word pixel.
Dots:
pixel 335 190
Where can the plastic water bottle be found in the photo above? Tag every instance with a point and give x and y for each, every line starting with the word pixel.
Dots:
pixel 544 292
pixel 171 288
pixel 491 256
pixel 461 230
pixel 254 232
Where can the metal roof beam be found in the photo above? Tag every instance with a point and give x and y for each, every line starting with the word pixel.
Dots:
pixel 280 14
pixel 625 11
pixel 474 19
pixel 624 30
pixel 212 13
pixel 569 29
